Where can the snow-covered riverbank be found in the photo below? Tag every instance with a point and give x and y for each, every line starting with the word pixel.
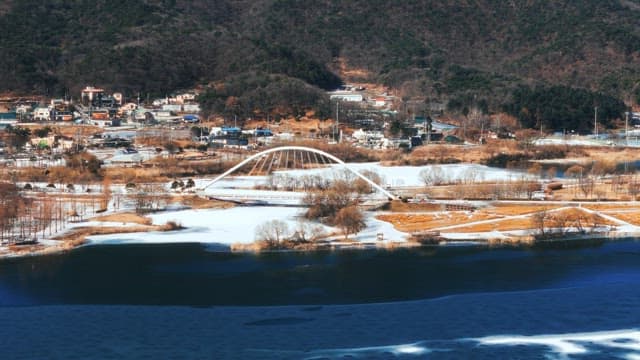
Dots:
pixel 233 226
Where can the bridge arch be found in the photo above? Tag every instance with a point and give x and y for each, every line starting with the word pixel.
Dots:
pixel 300 148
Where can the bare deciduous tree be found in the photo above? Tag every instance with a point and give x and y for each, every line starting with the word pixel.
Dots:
pixel 272 232
pixel 149 197
pixel 363 187
pixel 538 220
pixel 535 169
pixel 106 194
pixel 575 172
pixel 633 188
pixel 307 231
pixel 559 222
pixel 327 203
pixel 432 176
pixel 587 184
pixel 350 220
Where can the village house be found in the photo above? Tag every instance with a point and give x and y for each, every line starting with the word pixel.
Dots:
pixel 379 101
pixel 90 93
pixel 42 114
pixel 382 101
pixel 118 97
pixel 347 96
pixel 52 142
pixel 185 98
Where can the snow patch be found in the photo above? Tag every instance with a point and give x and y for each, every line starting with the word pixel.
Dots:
pixel 565 345
pixel 231 226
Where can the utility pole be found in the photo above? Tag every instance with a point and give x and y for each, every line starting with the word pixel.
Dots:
pixel 541 133
pixel 626 128
pixel 429 122
pixel 595 123
pixel 426 130
pixel 336 127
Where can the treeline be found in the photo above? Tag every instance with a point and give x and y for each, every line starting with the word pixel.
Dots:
pixel 563 108
pixel 23 219
pixel 264 96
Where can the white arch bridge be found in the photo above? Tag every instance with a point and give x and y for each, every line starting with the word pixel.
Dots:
pixel 293 157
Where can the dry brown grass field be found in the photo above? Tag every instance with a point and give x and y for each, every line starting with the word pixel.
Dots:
pixel 500 225
pixel 628 206
pixel 565 217
pixel 408 222
pixel 499 217
pixel 408 215
pixel 125 175
pixel 197 202
pixel 399 206
pixel 68 130
pixel 511 209
pixel 630 216
pixel 77 236
pixel 124 217
pixel 601 191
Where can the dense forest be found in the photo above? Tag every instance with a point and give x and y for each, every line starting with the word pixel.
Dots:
pixel 563 108
pixel 461 51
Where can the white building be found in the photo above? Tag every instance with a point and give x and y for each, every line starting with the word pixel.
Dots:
pixel 118 98
pixel 23 109
pixel 185 98
pixel 346 96
pixel 101 122
pixel 185 108
pixel 128 107
pixel 372 139
pixel 42 114
pixel 91 93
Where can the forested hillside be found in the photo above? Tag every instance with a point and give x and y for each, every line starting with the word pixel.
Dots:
pixel 453 51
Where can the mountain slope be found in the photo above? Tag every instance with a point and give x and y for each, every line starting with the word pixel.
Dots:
pixel 481 48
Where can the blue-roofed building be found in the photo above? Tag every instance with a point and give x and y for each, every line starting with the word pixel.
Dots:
pixel 9 116
pixel 231 131
pixel 190 118
pixel 263 132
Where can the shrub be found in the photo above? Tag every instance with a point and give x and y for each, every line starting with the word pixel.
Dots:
pixel 350 220
pixel 504 160
pixel 550 152
pixel 325 204
pixel 172 225
pixel 272 233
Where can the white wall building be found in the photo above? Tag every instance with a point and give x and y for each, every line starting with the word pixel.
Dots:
pixel 346 96
pixel 42 114
pixel 91 93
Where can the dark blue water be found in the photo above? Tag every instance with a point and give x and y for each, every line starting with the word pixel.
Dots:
pixel 443 303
